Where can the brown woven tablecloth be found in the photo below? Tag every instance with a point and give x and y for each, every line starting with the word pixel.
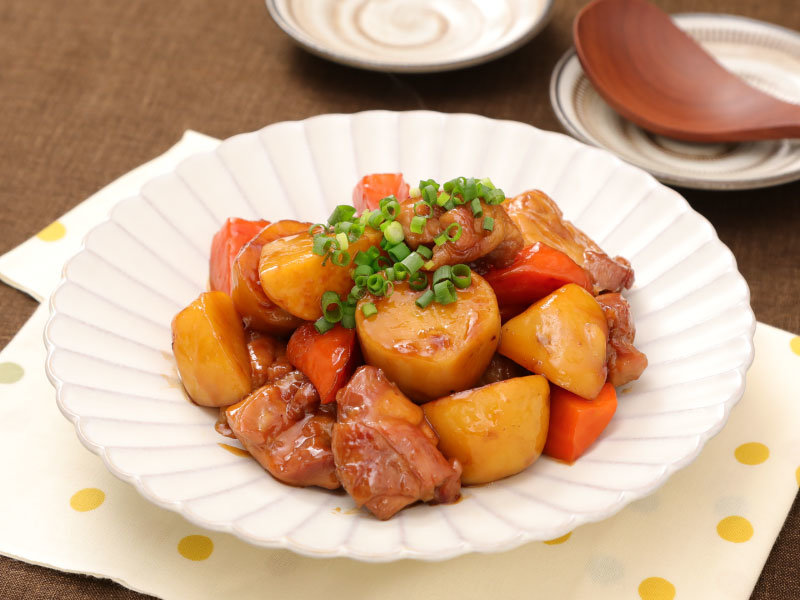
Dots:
pixel 91 89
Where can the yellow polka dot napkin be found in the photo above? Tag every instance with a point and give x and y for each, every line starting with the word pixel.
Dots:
pixel 705 534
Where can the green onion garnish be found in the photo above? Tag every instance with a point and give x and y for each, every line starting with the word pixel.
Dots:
pixel 400 271
pixel 488 223
pixel 344 244
pixel 477 209
pixel 363 258
pixel 381 262
pixel 361 280
pixel 442 198
pixel 414 192
pixel 357 292
pixel 368 309
pixel 424 252
pixel 418 281
pixel 424 206
pixel 340 258
pixel 342 227
pixel 443 273
pixel 429 193
pixel 322 229
pixel 445 292
pixel 331 307
pixel 376 284
pixel 454 237
pixel 413 262
pixel 349 320
pixel 322 244
pixel 362 270
pixel 356 231
pixel 375 219
pixel 394 233
pixel 389 273
pixel 487 182
pixel 323 325
pixel 399 251
pixel 418 224
pixel 495 196
pixel 343 212
pixel 428 266
pixel 461 275
pixel 440 239
pixel 425 299
pixel 389 208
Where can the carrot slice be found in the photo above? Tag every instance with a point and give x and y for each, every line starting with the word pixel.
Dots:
pixel 226 244
pixel 536 271
pixel 369 192
pixel 575 423
pixel 327 359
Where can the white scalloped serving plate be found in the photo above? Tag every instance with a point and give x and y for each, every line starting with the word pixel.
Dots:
pixel 110 360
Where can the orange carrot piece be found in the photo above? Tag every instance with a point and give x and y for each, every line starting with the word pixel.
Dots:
pixel 369 192
pixel 226 244
pixel 575 423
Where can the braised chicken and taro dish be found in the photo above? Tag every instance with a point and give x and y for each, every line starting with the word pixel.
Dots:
pixel 419 340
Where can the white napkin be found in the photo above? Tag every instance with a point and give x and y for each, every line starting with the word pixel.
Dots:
pixel 64 510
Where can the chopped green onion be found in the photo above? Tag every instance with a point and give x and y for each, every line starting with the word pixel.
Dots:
pixel 413 262
pixel 361 280
pixel 368 309
pixel 363 258
pixel 488 223
pixel 340 258
pixel 445 292
pixel 389 273
pixel 461 276
pixel 322 226
pixel 375 219
pixel 454 237
pixel 418 224
pixel 495 196
pixel 477 209
pixel 418 281
pixel 428 266
pixel 349 319
pixel 356 231
pixel 381 263
pixel 342 227
pixel 364 218
pixel 425 299
pixel 344 244
pixel 376 284
pixel 362 270
pixel 373 253
pixel 429 193
pixel 343 212
pixel 400 271
pixel 442 198
pixel 388 289
pixel 487 182
pixel 357 293
pixel 440 239
pixel 394 233
pixel 423 183
pixel 450 204
pixel 322 244
pixel 422 205
pixel 414 193
pixel 389 208
pixel 384 225
pixel 424 252
pixel 470 190
pixel 331 307
pixel 399 251
pixel 442 274
pixel 323 325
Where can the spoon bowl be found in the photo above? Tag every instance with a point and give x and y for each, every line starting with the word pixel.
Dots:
pixel 655 75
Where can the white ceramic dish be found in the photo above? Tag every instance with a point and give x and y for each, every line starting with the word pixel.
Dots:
pixel 765 55
pixel 411 36
pixel 109 355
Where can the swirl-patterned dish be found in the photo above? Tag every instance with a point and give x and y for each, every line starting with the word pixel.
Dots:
pixel 109 353
pixel 413 36
pixel 764 55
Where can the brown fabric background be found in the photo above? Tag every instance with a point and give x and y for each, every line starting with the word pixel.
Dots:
pixel 90 89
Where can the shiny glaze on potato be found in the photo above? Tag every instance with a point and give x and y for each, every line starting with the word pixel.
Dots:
pixel 434 351
pixel 258 311
pixel 494 431
pixel 210 349
pixel 281 426
pixel 294 278
pixel 563 337
pixel 385 451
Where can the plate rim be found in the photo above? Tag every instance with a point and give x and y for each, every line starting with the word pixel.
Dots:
pixel 696 183
pixel 624 497
pixel 309 44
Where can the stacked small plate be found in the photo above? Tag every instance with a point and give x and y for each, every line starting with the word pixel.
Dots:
pixel 764 55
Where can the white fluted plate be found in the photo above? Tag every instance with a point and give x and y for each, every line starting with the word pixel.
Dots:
pixel 109 354
pixel 412 36
pixel 766 56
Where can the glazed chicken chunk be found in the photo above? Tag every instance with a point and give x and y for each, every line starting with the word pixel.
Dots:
pixel 625 363
pixel 540 220
pixel 385 452
pixel 282 426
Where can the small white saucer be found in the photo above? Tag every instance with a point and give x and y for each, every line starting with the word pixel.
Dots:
pixel 411 36
pixel 766 56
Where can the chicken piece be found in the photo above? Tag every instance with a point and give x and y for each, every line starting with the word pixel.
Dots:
pixel 385 452
pixel 281 425
pixel 268 360
pixel 625 363
pixel 500 369
pixel 540 220
pixel 429 232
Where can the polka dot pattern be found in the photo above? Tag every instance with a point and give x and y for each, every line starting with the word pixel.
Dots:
pixel 559 540
pixel 53 232
pixel 195 547
pixel 87 499
pixel 656 588
pixel 10 372
pixel 794 344
pixel 752 453
pixel 735 529
pixel 797 476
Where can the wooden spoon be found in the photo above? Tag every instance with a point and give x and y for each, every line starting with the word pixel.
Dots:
pixel 655 75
